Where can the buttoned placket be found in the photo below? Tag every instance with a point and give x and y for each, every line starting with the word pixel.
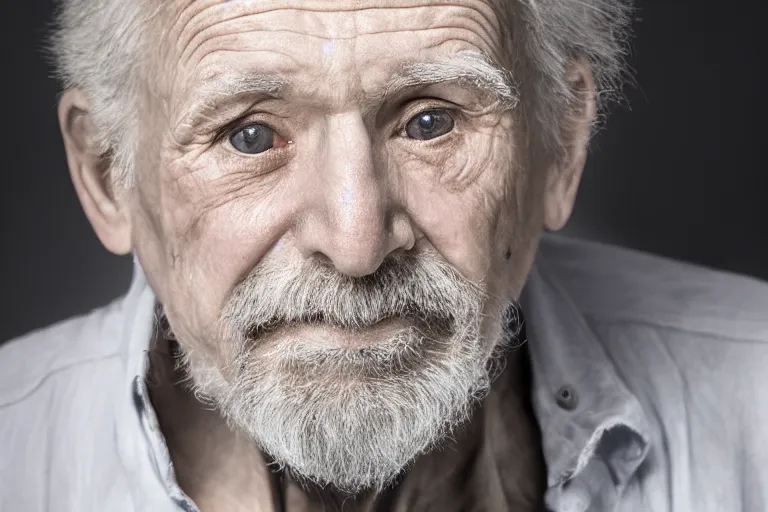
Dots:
pixel 160 455
pixel 594 431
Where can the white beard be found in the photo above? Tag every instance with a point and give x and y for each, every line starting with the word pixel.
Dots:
pixel 352 418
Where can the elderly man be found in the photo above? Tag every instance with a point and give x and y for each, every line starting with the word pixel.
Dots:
pixel 336 210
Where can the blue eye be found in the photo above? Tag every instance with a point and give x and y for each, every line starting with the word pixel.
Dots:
pixel 430 125
pixel 253 139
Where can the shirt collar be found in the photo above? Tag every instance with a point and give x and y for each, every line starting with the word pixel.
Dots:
pixel 577 395
pixel 140 444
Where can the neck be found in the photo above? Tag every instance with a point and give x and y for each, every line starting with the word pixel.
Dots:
pixel 493 463
pixel 218 468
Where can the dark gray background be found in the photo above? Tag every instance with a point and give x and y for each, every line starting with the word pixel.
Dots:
pixel 679 173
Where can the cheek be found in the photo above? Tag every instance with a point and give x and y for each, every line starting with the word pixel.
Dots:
pixel 478 208
pixel 517 231
pixel 458 201
pixel 202 236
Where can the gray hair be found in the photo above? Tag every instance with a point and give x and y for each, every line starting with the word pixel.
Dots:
pixel 98 47
pixel 554 33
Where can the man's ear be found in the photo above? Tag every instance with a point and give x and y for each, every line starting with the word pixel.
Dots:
pixel 89 171
pixel 565 174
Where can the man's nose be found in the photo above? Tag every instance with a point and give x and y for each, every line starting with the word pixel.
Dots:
pixel 356 222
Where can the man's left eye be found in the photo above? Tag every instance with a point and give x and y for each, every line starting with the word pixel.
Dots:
pixel 253 139
pixel 430 125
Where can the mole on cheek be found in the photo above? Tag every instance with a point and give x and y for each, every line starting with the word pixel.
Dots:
pixel 508 254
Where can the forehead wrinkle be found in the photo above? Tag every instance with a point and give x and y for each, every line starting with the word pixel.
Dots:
pixel 481 13
pixel 468 68
pixel 489 79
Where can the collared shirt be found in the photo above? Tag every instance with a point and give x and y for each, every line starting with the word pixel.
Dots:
pixel 649 386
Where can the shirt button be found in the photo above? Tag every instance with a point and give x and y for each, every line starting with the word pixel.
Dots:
pixel 566 398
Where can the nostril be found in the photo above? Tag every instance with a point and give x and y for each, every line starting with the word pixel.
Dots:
pixel 322 259
pixel 349 262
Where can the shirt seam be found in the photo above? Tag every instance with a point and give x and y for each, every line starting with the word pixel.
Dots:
pixel 599 318
pixel 4 403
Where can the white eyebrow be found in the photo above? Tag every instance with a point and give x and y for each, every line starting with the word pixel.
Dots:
pixel 235 82
pixel 226 86
pixel 468 68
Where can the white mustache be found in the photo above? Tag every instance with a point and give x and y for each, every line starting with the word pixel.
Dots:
pixel 419 287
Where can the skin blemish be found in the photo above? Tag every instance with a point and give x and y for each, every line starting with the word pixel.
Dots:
pixel 508 254
pixel 347 197
pixel 329 47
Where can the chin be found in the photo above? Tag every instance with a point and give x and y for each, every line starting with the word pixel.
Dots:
pixel 351 412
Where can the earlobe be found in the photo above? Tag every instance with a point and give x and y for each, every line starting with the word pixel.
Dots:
pixel 564 178
pixel 89 170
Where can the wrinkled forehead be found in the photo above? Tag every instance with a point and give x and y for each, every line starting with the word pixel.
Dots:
pixel 353 45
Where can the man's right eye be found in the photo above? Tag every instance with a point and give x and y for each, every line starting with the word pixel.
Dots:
pixel 430 124
pixel 253 139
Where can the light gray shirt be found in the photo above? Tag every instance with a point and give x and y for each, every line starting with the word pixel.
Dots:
pixel 650 388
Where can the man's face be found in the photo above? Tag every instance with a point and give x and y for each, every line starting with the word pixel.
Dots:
pixel 334 248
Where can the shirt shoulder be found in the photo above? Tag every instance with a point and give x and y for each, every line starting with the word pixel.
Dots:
pixel 691 344
pixel 614 284
pixel 60 392
pixel 28 362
